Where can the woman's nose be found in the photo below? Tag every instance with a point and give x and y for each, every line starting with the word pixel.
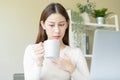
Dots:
pixel 57 30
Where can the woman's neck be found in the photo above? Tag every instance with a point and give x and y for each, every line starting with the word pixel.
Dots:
pixel 62 46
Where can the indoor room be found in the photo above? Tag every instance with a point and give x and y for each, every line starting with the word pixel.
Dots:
pixel 19 23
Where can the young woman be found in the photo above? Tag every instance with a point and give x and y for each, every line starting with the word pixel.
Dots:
pixel 71 65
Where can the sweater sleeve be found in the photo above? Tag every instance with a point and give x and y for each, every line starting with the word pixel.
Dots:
pixel 31 70
pixel 81 72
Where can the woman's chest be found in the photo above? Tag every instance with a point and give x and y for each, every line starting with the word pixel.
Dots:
pixel 52 72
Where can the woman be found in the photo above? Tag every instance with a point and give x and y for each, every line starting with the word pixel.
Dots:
pixel 54 24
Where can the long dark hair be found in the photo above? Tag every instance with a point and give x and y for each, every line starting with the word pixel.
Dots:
pixel 50 9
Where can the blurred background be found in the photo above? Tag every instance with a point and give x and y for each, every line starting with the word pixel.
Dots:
pixel 19 21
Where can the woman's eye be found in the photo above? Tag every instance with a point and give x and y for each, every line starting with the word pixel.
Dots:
pixel 61 24
pixel 51 25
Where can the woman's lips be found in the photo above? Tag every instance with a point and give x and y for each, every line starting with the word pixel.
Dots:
pixel 56 37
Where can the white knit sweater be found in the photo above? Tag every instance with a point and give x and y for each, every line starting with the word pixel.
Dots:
pixel 51 72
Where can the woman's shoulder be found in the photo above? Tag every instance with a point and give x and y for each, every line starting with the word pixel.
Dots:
pixel 31 46
pixel 74 53
pixel 29 49
pixel 74 49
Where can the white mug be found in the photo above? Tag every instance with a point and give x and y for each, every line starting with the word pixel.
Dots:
pixel 52 48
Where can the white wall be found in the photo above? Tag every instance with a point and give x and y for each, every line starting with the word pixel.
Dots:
pixel 18 27
pixel 19 21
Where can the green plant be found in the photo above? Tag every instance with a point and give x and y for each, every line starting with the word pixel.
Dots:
pixel 86 8
pixel 100 12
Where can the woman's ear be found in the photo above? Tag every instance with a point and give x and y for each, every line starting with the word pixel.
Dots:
pixel 42 24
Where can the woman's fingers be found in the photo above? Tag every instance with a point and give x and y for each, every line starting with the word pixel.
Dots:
pixel 66 57
pixel 64 63
pixel 38 52
pixel 55 61
pixel 38 49
pixel 40 56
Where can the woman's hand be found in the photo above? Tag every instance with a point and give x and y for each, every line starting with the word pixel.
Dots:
pixel 65 64
pixel 39 53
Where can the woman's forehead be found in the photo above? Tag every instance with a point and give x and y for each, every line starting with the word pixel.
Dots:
pixel 56 17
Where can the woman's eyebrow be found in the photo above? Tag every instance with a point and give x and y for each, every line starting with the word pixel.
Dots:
pixel 54 22
pixel 50 21
pixel 62 21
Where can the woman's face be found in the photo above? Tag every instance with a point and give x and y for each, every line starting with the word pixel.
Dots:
pixel 55 26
